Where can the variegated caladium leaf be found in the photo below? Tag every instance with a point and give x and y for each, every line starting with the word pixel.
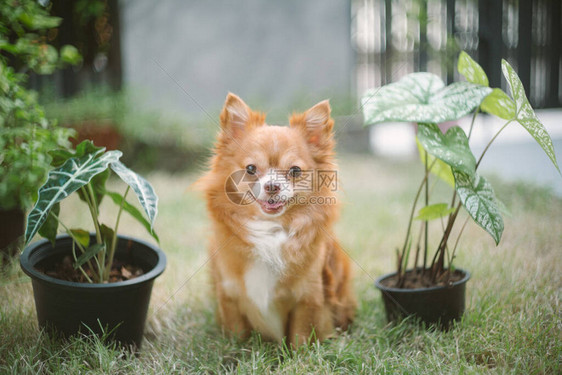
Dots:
pixel 439 168
pixel 142 188
pixel 452 147
pixel 63 181
pixel 471 70
pixel 479 200
pixel 526 115
pixel 421 97
pixel 499 104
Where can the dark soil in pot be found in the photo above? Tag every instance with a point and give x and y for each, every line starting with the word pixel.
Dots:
pixel 63 269
pixel 68 308
pixel 438 304
pixel 420 280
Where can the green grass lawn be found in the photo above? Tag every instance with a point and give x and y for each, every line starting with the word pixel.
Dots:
pixel 513 322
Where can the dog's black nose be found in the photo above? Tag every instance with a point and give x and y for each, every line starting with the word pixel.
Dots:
pixel 272 187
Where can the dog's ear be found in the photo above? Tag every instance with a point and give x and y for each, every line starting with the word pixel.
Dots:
pixel 316 123
pixel 236 116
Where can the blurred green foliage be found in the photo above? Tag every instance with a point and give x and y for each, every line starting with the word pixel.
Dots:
pixel 25 138
pixel 100 103
pixel 24 37
pixel 150 138
pixel 26 135
pixel 156 139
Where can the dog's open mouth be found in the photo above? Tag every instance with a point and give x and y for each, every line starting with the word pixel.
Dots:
pixel 271 206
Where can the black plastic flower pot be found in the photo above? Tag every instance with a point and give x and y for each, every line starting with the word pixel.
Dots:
pixel 439 305
pixel 67 308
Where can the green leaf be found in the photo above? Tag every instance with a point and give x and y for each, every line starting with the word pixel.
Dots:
pixel 63 181
pixel 81 236
pixel 69 54
pixel 440 169
pixel 421 97
pixel 142 188
pixel 11 48
pixel 50 228
pixel 133 211
pixel 471 70
pixel 499 104
pixel 107 233
pixel 479 200
pixel 434 211
pixel 35 21
pixel 60 156
pixel 87 147
pixel 451 147
pixel 98 186
pixel 46 60
pixel 90 252
pixel 526 115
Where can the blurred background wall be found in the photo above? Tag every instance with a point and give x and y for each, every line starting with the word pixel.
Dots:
pixel 158 72
pixel 188 54
pixel 274 52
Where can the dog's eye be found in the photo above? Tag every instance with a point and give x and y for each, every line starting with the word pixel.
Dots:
pixel 295 171
pixel 251 169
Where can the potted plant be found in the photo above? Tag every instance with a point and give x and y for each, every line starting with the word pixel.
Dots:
pixel 91 281
pixel 25 134
pixel 433 288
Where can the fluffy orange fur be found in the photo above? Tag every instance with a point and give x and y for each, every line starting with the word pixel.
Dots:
pixel 305 292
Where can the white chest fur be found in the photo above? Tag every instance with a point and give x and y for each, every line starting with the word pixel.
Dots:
pixel 262 275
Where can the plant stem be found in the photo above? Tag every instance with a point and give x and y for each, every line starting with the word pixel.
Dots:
pixel 457 241
pixel 491 141
pixel 80 268
pixel 93 211
pixel 438 267
pixel 453 200
pixel 472 122
pixel 453 216
pixel 418 247
pixel 100 258
pixel 114 239
pixel 414 210
pixel 75 241
pixel 68 232
pixel 426 239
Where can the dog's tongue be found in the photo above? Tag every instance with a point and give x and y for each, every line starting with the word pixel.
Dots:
pixel 271 205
